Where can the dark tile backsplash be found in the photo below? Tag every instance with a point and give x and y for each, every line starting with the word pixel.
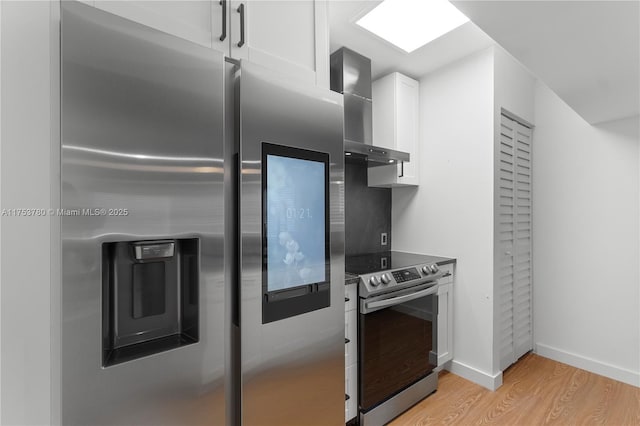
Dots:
pixel 367 211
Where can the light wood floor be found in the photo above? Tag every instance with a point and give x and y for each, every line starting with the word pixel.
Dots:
pixel 535 391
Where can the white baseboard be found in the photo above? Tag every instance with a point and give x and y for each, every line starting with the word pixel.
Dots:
pixel 592 365
pixel 486 380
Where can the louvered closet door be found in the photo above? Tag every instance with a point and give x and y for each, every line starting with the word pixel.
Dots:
pixel 514 239
pixel 505 238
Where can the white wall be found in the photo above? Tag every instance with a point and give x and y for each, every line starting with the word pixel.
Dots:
pixel 451 212
pixel 514 91
pixel 29 279
pixel 586 240
pixel 514 88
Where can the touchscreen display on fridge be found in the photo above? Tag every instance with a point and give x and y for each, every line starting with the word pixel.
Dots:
pixel 295 216
pixel 295 222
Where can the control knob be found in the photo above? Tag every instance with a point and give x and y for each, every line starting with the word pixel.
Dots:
pixel 434 268
pixel 386 278
pixel 426 270
pixel 374 281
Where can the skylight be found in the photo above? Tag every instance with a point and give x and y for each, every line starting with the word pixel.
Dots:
pixel 410 24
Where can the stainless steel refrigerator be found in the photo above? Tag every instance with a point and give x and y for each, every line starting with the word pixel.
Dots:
pixel 176 306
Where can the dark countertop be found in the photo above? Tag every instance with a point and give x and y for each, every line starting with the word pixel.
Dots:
pixel 350 278
pixel 438 260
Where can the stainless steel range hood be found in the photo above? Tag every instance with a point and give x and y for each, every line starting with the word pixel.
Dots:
pixel 375 155
pixel 351 76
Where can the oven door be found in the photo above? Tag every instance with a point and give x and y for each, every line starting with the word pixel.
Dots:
pixel 397 342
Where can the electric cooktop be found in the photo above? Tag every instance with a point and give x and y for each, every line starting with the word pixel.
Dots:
pixel 378 262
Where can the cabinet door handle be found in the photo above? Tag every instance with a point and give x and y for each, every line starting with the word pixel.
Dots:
pixel 223 3
pixel 241 12
pixel 401 169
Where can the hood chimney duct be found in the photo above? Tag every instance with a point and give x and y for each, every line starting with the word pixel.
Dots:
pixel 351 76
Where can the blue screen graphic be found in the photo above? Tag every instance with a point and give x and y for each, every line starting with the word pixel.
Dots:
pixel 295 222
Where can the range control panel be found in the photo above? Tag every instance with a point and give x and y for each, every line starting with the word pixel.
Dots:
pixel 396 279
pixel 404 275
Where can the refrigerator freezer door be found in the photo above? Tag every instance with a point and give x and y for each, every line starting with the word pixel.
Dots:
pixel 292 368
pixel 142 160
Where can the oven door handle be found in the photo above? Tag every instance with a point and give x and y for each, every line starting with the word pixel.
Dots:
pixel 379 304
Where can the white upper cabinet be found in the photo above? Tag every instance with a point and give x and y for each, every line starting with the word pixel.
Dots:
pixel 396 106
pixel 291 37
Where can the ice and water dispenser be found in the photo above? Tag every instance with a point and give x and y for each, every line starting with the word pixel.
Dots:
pixel 150 297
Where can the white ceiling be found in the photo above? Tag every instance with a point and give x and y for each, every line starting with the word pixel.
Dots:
pixel 588 52
pixel 385 57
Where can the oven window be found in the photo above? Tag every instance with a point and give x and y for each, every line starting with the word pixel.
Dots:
pixel 395 345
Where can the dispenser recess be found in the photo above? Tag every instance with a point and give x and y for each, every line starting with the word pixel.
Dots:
pixel 150 297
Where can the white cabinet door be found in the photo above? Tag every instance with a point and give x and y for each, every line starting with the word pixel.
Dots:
pixel 445 315
pixel 407 107
pixel 396 107
pixel 351 389
pixel 351 297
pixel 445 323
pixel 290 37
pixel 351 339
pixel 199 21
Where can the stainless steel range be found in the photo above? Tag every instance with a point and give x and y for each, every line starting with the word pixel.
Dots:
pixel 397 332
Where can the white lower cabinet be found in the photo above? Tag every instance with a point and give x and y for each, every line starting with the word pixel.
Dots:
pixel 445 316
pixel 351 351
pixel 351 408
pixel 351 333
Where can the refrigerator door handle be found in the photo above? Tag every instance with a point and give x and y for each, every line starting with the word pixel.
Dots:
pixel 237 250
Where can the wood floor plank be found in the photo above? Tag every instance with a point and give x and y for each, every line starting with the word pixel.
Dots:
pixel 535 391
